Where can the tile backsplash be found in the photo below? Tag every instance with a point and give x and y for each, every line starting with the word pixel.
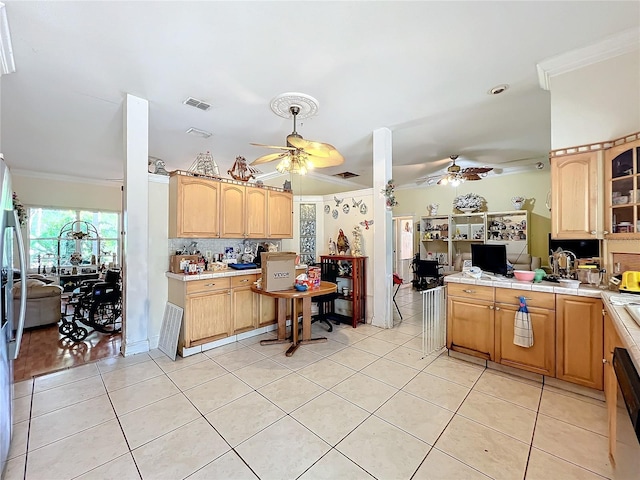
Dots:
pixel 218 245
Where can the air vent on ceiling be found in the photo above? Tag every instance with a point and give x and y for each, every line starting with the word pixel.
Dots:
pixel 199 133
pixel 194 102
pixel 346 175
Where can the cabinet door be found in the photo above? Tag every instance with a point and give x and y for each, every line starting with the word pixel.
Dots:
pixel 232 211
pixel 622 194
pixel 280 206
pixel 470 327
pixel 575 211
pixel 208 316
pixel 267 314
pixel 256 213
pixel 193 207
pixel 579 340
pixel 541 356
pixel 244 309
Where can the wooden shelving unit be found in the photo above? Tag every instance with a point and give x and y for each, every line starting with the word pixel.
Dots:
pixel 352 275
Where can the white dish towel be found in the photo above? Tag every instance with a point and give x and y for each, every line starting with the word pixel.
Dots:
pixel 522 329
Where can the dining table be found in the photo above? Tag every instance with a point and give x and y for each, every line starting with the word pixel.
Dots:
pixel 292 295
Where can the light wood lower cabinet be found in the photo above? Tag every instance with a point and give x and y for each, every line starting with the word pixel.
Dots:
pixel 579 340
pixel 267 311
pixel 611 341
pixel 539 358
pixel 470 320
pixel 244 303
pixel 207 309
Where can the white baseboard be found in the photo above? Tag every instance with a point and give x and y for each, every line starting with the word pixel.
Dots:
pixel 136 347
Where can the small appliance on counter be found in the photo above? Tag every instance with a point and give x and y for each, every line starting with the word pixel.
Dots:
pixel 630 282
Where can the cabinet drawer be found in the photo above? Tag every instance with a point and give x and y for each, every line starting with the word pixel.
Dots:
pixel 243 280
pixel 210 285
pixel 477 292
pixel 533 299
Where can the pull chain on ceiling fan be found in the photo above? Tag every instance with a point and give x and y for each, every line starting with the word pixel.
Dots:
pixel 299 155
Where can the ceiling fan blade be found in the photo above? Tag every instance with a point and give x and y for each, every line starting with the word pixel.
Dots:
pixel 269 158
pixel 335 158
pixel 476 170
pixel 318 149
pixel 271 146
pixel 471 176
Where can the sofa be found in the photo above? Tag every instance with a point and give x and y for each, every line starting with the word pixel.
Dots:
pixel 523 261
pixel 43 302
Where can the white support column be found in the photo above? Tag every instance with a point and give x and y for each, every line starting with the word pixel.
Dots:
pixel 135 226
pixel 381 269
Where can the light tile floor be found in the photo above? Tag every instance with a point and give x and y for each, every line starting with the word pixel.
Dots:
pixel 364 405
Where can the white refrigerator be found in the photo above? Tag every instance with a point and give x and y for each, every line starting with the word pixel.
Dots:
pixel 12 260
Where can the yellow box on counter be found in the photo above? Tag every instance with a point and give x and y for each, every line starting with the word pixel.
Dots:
pixel 176 260
pixel 278 270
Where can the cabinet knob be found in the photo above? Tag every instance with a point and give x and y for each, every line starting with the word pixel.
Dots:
pixel 605 361
pixel 606 232
pixel 491 307
pixel 593 232
pixel 469 291
pixel 497 308
pixel 209 284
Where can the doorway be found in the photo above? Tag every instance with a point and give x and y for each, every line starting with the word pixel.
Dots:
pixel 403 247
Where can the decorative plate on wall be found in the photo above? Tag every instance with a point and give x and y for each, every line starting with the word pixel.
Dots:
pixel 363 209
pixel 334 214
pixel 327 209
pixel 345 208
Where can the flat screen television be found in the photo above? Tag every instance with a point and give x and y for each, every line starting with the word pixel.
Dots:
pixel 489 258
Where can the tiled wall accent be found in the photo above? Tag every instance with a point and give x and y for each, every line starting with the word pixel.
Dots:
pixel 307 233
pixel 218 245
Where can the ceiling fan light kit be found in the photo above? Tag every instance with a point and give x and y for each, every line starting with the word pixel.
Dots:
pixel 300 155
pixel 455 175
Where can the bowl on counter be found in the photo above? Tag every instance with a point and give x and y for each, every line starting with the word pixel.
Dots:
pixel 524 275
pixel 568 283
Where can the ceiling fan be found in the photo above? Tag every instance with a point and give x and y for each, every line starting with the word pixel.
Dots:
pixel 300 155
pixel 455 175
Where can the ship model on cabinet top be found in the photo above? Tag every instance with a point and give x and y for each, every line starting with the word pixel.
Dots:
pixel 241 171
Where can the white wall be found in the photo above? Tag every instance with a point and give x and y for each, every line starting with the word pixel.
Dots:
pixel 158 259
pixel 596 103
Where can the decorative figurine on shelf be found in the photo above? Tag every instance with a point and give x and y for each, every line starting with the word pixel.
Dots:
pixel 157 166
pixel 204 164
pixel 241 171
pixel 287 185
pixel 332 247
pixel 342 243
pixel 433 209
pixel 356 250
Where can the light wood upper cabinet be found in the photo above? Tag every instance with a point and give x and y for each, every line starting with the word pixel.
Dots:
pixel 232 211
pixel 622 190
pixel 579 340
pixel 256 218
pixel 280 214
pixel 193 207
pixel 576 202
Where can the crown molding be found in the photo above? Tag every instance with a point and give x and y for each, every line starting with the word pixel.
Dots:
pixel 624 42
pixel 67 178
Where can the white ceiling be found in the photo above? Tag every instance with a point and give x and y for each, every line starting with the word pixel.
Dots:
pixel 422 69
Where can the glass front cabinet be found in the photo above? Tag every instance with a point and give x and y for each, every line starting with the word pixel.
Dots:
pixel 622 189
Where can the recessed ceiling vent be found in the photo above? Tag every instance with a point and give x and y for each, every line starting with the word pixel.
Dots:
pixel 199 133
pixel 346 175
pixel 194 102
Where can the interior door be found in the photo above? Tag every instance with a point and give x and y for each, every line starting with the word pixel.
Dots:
pixel 403 239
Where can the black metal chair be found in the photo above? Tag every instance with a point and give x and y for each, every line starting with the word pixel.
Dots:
pixel 326 303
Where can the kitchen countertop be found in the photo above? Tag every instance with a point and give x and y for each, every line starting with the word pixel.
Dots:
pixel 504 282
pixel 627 328
pixel 230 272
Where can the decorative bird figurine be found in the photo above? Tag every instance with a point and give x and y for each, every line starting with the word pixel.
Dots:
pixel 342 243
pixel 356 204
pixel 332 247
pixel 366 224
pixel 338 200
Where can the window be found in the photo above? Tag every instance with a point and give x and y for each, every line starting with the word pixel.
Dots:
pixel 44 228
